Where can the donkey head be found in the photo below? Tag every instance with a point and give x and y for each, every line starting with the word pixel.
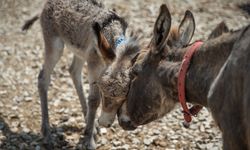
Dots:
pixel 147 99
pixel 114 82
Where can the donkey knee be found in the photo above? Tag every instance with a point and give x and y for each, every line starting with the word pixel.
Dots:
pixel 72 71
pixel 41 81
pixel 94 101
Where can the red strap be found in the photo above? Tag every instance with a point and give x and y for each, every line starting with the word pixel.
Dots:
pixel 188 113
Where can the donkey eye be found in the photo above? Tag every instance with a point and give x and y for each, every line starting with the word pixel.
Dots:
pixel 134 72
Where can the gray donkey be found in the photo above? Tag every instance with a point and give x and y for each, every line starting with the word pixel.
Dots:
pixel 218 78
pixel 96 36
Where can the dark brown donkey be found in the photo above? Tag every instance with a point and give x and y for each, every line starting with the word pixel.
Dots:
pixel 222 61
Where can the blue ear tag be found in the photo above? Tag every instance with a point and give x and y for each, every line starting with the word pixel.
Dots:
pixel 121 40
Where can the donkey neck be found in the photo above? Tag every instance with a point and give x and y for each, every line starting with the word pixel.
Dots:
pixel 204 67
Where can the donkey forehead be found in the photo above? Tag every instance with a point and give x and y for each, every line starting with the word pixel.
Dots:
pixel 115 85
pixel 148 105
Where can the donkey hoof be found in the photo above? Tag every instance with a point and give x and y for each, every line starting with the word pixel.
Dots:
pixel 47 142
pixel 89 144
pixel 48 145
pixel 186 124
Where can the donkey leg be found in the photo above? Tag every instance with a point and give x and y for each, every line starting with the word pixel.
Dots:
pixel 53 51
pixel 226 106
pixel 246 105
pixel 94 70
pixel 76 75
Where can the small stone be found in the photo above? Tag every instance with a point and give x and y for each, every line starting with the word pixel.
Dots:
pixel 38 147
pixel 161 143
pixel 210 145
pixel 1 104
pixel 103 130
pixel 202 128
pixel 157 132
pixel 174 137
pixel 1 125
pixel 34 143
pixel 103 141
pixel 26 136
pixel 28 99
pixel 126 147
pixel 26 130
pixel 64 118
pixel 73 136
pixel 136 141
pixel 15 129
pixel 13 116
pixel 201 146
pixel 147 141
pixel 116 143
pixel 23 146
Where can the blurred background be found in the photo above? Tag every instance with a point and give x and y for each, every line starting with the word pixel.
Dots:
pixel 21 57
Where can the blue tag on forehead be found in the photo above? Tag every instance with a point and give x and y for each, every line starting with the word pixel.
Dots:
pixel 121 40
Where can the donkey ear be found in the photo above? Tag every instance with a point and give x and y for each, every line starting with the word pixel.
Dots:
pixel 103 44
pixel 186 28
pixel 161 27
pixel 132 50
pixel 219 30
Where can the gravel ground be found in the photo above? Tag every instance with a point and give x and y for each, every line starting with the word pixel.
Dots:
pixel 21 59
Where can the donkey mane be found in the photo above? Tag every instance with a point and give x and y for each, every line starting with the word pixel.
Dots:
pixel 114 17
pixel 131 47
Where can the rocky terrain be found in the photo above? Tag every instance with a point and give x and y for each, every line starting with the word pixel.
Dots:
pixel 21 57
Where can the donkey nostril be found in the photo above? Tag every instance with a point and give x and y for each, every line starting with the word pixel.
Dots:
pixel 109 125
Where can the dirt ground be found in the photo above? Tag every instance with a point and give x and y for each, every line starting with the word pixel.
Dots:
pixel 21 57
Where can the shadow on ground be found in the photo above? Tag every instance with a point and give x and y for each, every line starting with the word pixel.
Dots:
pixel 10 140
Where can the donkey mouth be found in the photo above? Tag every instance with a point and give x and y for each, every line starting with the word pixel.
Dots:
pixel 124 120
pixel 127 125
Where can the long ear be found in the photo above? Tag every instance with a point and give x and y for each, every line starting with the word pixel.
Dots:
pixel 103 44
pixel 161 27
pixel 219 30
pixel 186 29
pixel 131 51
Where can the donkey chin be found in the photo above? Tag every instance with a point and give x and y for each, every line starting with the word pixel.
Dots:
pixel 106 119
pixel 124 119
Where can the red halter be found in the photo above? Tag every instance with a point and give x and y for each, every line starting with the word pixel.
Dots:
pixel 188 113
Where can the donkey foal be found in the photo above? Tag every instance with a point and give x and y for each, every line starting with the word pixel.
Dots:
pixel 95 35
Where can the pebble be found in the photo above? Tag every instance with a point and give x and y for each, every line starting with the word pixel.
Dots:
pixel 161 143
pixel 116 143
pixel 103 141
pixel 103 130
pixel 147 141
pixel 125 147
pixel 28 99
pixel 38 147
pixel 136 141
pixel 1 125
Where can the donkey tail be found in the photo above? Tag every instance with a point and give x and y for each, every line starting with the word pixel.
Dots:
pixel 245 7
pixel 27 25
